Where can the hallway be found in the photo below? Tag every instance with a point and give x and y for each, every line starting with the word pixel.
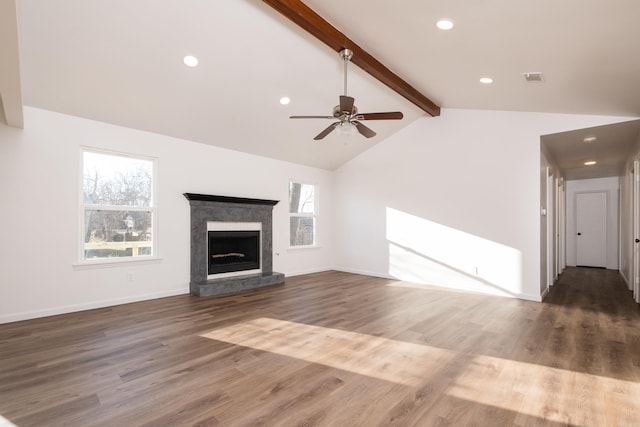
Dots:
pixel 596 304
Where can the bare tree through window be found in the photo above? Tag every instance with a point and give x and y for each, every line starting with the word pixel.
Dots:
pixel 302 214
pixel 118 206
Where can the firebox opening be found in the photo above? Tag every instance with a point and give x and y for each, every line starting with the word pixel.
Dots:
pixel 231 251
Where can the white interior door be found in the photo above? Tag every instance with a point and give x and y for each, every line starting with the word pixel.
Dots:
pixel 635 204
pixel 591 228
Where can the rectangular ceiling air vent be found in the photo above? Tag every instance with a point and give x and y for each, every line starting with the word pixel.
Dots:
pixel 533 77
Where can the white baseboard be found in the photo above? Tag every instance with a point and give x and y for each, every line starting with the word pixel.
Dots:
pixel 527 297
pixel 303 272
pixel 365 273
pixel 544 293
pixel 16 317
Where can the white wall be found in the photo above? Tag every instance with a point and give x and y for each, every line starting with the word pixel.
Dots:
pixel 39 185
pixel 609 185
pixel 452 201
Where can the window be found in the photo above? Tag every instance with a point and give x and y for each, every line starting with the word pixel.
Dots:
pixel 302 214
pixel 118 206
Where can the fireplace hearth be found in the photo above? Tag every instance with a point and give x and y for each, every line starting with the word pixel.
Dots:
pixel 231 244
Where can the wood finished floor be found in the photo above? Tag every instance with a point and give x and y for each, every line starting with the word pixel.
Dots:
pixel 334 349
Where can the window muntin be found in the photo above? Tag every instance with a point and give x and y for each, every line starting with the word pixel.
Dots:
pixel 302 214
pixel 118 206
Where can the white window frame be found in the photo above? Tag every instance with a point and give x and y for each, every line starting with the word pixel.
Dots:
pixel 93 262
pixel 314 215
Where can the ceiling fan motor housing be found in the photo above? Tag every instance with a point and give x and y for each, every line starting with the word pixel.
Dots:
pixel 339 114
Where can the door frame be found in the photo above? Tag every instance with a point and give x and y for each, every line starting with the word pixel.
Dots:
pixel 551 216
pixel 562 226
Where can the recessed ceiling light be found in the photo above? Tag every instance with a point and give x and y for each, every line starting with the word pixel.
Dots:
pixel 589 163
pixel 589 139
pixel 445 24
pixel 190 61
pixel 285 100
pixel 486 80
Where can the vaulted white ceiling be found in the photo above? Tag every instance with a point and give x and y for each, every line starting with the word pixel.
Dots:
pixel 121 62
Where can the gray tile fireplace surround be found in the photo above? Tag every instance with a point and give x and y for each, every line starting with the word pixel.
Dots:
pixel 205 208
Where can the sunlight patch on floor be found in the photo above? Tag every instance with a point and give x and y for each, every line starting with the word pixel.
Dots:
pixel 532 389
pixel 395 361
pixel 511 385
pixel 5 422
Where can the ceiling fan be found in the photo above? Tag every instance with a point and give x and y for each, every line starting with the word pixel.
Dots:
pixel 346 112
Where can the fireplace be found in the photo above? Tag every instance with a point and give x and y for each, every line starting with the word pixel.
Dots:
pixel 231 244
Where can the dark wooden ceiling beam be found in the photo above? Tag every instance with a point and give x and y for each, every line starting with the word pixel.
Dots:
pixel 310 21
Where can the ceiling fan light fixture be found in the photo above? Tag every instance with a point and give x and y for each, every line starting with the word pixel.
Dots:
pixel 347 129
pixel 444 24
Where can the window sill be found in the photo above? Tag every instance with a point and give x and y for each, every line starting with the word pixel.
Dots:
pixel 300 248
pixel 110 263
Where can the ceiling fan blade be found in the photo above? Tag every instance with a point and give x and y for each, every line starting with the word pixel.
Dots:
pixel 311 117
pixel 365 131
pixel 346 104
pixel 327 131
pixel 392 115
